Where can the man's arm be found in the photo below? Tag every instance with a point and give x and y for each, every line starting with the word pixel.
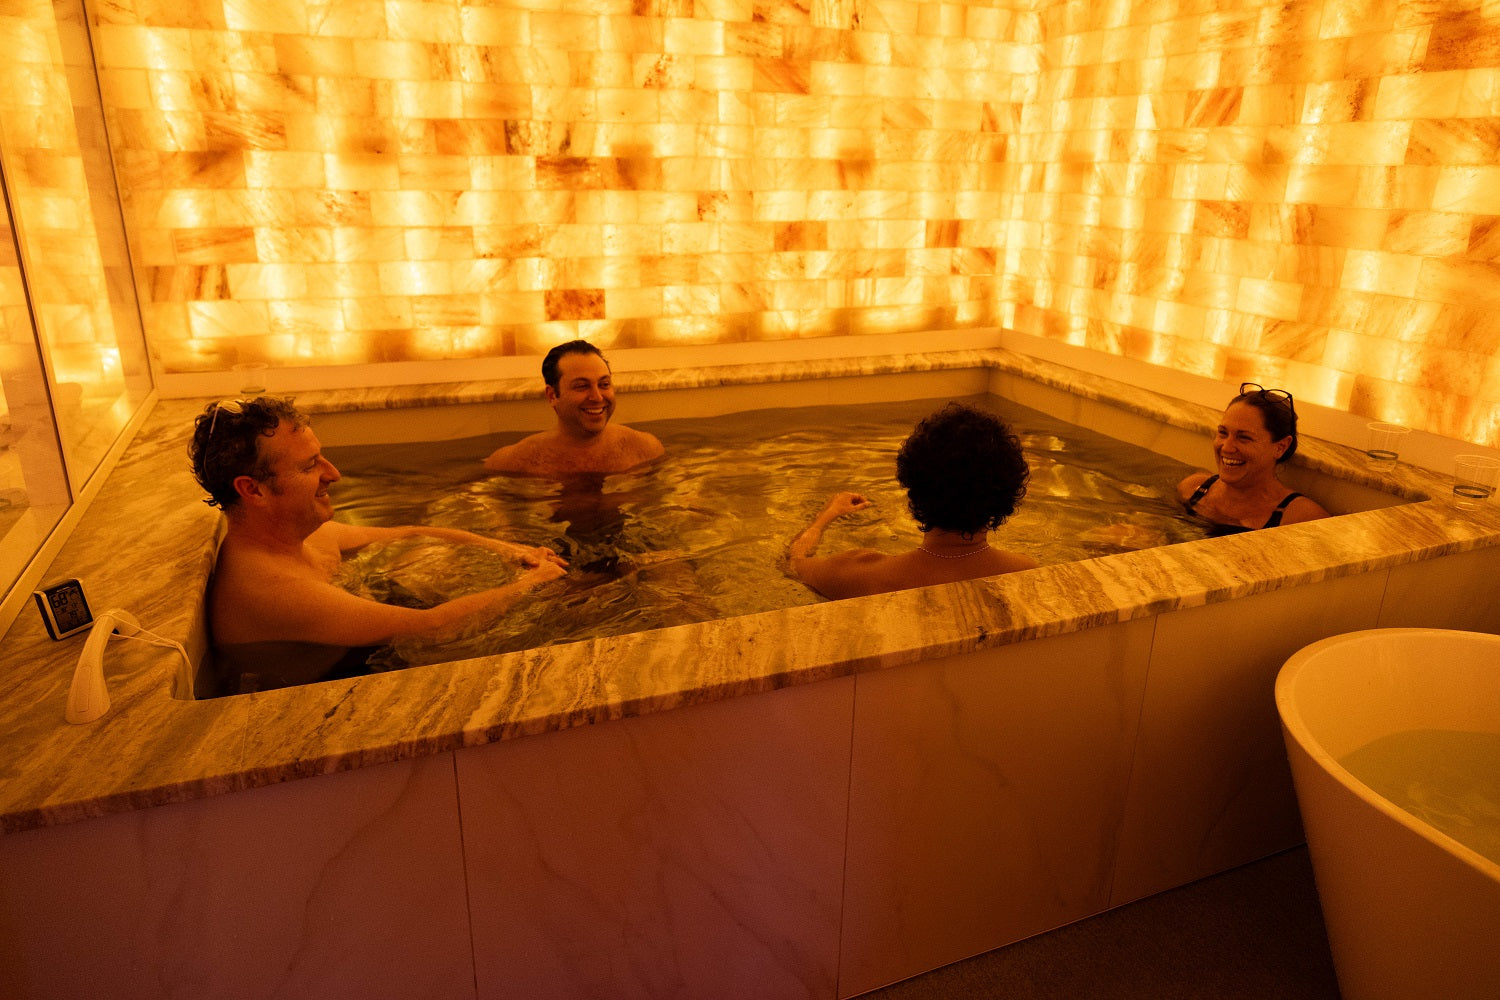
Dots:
pixel 846 574
pixel 853 573
pixel 349 537
pixel 302 609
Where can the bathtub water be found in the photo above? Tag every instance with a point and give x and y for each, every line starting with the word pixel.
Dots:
pixel 1394 741
pixel 702 534
pixel 1449 780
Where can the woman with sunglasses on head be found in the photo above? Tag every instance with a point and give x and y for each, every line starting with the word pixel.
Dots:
pixel 1256 434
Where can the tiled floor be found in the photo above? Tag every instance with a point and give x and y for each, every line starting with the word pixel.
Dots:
pixel 1253 933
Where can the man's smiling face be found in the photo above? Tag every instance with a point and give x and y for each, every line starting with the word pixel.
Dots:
pixel 584 399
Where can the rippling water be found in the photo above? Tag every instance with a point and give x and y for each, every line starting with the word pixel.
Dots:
pixel 702 533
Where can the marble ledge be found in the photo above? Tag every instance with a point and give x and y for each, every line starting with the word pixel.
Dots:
pixel 659 380
pixel 1340 461
pixel 146 544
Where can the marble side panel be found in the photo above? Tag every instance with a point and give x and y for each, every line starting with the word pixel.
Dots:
pixel 1456 591
pixel 986 797
pixel 347 886
pixel 1210 787
pixel 695 853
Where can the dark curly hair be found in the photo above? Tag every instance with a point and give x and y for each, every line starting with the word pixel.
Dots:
pixel 963 470
pixel 226 443
pixel 552 363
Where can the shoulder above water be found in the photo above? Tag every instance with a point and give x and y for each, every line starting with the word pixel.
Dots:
pixel 548 453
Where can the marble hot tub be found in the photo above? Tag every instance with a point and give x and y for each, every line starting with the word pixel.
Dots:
pixel 805 803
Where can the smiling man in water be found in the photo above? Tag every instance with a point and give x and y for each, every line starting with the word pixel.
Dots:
pixel 275 615
pixel 580 389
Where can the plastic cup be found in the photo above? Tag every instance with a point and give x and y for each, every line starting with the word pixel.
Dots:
pixel 1475 478
pixel 1384 445
pixel 251 377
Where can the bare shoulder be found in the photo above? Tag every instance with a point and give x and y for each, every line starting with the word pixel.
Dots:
pixel 250 588
pixel 640 445
pixel 1014 562
pixel 238 561
pixel 1304 508
pixel 547 453
pixel 1189 485
pixel 520 457
pixel 261 595
pixel 851 573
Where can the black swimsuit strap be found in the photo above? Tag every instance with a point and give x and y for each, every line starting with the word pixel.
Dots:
pixel 1275 518
pixel 1273 521
pixel 1192 501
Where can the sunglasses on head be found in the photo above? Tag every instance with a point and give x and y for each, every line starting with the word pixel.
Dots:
pixel 1279 396
pixel 233 407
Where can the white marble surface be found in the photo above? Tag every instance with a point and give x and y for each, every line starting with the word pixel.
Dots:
pixel 685 854
pixel 302 889
pixel 1016 761
pixel 1210 737
pixel 145 544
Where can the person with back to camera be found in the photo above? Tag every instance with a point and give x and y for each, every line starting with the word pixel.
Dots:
pixel 274 610
pixel 964 475
pixel 1256 434
pixel 580 388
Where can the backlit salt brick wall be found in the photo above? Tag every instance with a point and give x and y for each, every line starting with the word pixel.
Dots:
pixel 1301 194
pixel 60 201
pixel 48 192
pixel 360 182
pixel 1298 194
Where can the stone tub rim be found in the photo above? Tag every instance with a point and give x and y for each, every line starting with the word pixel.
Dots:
pixel 153 750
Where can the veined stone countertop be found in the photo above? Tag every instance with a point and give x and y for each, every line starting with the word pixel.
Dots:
pixel 145 544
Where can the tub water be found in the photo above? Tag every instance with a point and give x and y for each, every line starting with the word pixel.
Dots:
pixel 1394 742
pixel 1448 779
pixel 702 534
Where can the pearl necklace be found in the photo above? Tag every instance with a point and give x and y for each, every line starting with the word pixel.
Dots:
pixel 939 555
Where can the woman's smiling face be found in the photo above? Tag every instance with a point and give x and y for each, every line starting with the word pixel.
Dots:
pixel 1243 448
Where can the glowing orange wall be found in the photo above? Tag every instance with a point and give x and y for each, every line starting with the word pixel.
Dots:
pixel 1302 194
pixel 1299 194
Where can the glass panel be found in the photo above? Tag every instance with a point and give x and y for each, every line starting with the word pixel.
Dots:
pixel 67 218
pixel 73 362
pixel 33 492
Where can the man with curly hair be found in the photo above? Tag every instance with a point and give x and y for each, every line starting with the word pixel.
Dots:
pixel 964 475
pixel 274 611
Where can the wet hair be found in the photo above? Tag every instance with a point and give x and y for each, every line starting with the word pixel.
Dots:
pixel 226 443
pixel 963 470
pixel 1277 412
pixel 551 363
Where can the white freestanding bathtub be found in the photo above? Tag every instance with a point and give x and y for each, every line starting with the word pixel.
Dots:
pixel 1412 912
